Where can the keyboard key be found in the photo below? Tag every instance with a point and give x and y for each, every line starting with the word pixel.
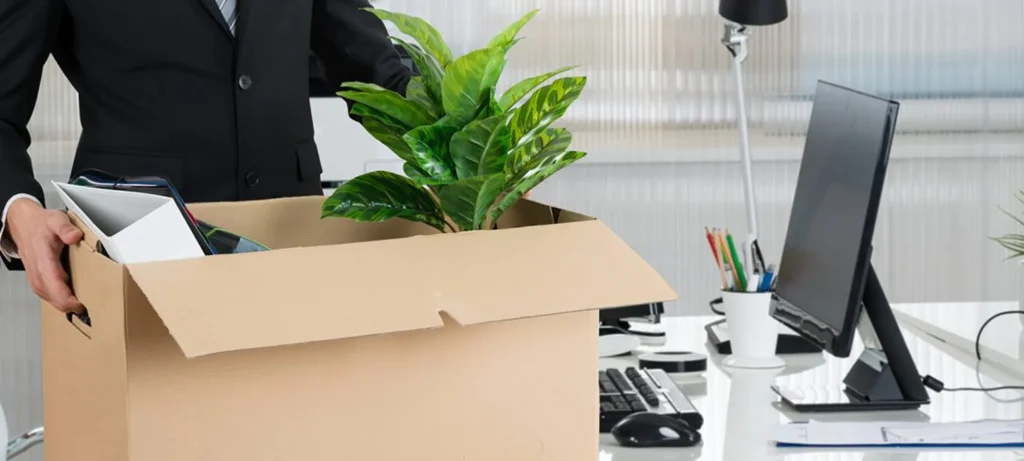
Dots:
pixel 619 380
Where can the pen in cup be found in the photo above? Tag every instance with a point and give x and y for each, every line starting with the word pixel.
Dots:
pixel 737 263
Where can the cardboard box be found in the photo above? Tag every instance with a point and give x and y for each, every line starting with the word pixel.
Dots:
pixel 349 341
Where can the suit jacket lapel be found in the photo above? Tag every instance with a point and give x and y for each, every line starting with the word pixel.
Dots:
pixel 245 8
pixel 215 14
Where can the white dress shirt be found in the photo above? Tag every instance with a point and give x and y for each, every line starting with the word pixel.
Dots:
pixel 7 248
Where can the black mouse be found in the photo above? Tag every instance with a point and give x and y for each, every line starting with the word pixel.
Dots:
pixel 653 430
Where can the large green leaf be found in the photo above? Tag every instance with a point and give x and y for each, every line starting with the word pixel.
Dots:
pixel 367 113
pixel 532 179
pixel 507 37
pixel 468 81
pixel 544 107
pixel 390 137
pixel 425 34
pixel 467 201
pixel 489 107
pixel 430 71
pixel 521 89
pixel 415 173
pixel 363 86
pixel 393 105
pixel 549 143
pixel 382 195
pixel 419 177
pixel 417 92
pixel 430 149
pixel 481 148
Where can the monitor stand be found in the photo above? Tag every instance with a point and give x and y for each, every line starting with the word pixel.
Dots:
pixel 884 377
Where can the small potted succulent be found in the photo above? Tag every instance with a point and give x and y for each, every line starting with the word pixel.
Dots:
pixel 1014 243
pixel 469 153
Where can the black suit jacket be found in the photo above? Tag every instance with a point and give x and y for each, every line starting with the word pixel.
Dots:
pixel 165 89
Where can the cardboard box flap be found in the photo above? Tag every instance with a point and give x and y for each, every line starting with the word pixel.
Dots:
pixel 226 303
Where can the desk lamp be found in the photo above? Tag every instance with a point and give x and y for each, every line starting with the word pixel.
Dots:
pixel 739 14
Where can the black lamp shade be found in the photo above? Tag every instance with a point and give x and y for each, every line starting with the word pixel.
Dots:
pixel 754 12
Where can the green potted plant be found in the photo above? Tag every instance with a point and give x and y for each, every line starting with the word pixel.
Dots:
pixel 1014 243
pixel 469 153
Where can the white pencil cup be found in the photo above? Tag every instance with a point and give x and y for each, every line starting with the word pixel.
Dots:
pixel 753 333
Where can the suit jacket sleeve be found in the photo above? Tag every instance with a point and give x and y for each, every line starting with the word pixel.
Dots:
pixel 28 29
pixel 353 45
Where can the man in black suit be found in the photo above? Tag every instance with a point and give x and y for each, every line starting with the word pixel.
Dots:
pixel 212 94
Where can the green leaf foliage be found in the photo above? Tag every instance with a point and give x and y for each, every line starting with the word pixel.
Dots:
pixel 393 105
pixel 507 38
pixel 431 73
pixel 417 93
pixel 467 201
pixel 467 83
pixel 382 195
pixel 391 137
pixel 521 89
pixel 481 148
pixel 415 173
pixel 532 179
pixel 489 107
pixel 544 107
pixel 425 34
pixel 1012 242
pixel 422 179
pixel 429 146
pixel 368 113
pixel 469 154
pixel 549 143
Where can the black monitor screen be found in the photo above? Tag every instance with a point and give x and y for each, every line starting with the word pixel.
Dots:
pixel 828 243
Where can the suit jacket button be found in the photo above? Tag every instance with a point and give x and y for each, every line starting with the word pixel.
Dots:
pixel 252 178
pixel 244 82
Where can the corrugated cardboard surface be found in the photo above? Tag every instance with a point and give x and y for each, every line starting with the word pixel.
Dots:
pixel 408 345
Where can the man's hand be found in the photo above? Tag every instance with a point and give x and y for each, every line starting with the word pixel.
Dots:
pixel 41 236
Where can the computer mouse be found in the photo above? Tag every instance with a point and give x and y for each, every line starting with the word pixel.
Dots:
pixel 648 429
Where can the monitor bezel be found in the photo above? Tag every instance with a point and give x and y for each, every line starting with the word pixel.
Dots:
pixel 839 343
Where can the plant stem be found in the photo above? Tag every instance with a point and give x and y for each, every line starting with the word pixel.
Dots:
pixel 450 226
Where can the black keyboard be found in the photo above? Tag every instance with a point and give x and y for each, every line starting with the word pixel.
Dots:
pixel 632 390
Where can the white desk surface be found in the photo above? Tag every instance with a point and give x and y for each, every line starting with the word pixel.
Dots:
pixel 740 409
pixel 957 324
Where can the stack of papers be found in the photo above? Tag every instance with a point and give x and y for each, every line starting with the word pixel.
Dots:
pixel 889 434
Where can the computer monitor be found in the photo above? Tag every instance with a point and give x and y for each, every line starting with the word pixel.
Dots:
pixel 827 289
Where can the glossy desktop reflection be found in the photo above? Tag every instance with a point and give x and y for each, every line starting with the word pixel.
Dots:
pixel 740 411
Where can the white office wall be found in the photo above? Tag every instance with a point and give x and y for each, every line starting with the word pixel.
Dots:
pixel 657 119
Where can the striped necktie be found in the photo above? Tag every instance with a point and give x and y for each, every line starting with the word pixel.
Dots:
pixel 229 8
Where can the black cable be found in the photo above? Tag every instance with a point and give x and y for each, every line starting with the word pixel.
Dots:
pixel 938 386
pixel 983 389
pixel 977 375
pixel 715 302
pixel 977 341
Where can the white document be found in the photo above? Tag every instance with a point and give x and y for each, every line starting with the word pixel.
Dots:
pixel 977 433
pixel 133 227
